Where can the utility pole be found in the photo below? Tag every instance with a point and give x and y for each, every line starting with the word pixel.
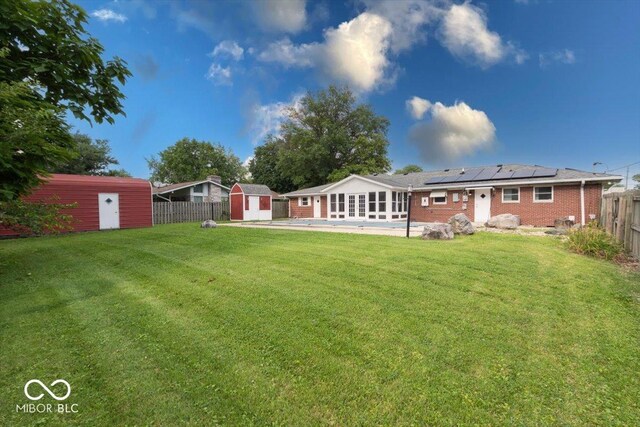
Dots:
pixel 626 186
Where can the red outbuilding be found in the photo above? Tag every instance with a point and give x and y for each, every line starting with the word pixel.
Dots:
pixel 250 202
pixel 102 202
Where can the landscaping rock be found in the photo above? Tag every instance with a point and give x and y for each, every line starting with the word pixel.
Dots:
pixel 504 221
pixel 208 224
pixel 557 231
pixel 461 224
pixel 437 231
pixel 563 223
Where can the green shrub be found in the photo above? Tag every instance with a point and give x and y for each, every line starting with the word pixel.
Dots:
pixel 594 241
pixel 36 218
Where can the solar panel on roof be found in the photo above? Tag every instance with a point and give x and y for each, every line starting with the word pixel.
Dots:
pixel 523 173
pixel 434 180
pixel 468 175
pixel 486 174
pixel 503 175
pixel 542 172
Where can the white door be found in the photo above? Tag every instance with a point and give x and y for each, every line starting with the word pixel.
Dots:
pixel 482 204
pixel 109 210
pixel 317 212
pixel 253 213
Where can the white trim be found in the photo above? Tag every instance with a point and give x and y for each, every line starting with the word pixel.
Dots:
pixel 510 201
pixel 350 177
pixel 542 201
pixel 300 201
pixel 516 183
pixel 435 194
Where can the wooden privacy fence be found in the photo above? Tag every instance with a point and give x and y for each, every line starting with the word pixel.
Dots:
pixel 174 212
pixel 279 209
pixel 620 216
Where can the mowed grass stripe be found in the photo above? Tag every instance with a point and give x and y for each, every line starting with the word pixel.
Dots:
pixel 259 327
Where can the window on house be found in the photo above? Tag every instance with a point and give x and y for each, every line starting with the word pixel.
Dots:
pixel 341 204
pixel 246 203
pixel 439 197
pixel 197 188
pixel 333 203
pixel 404 202
pixel 372 202
pixel 543 194
pixel 362 205
pixel 382 202
pixel 197 199
pixel 510 195
pixel 393 201
pixel 304 201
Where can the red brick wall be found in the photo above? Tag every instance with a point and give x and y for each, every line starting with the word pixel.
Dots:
pixel 439 213
pixel 566 201
pixel 306 211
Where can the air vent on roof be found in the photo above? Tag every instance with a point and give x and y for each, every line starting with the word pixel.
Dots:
pixel 462 172
pixel 406 173
pixel 446 170
pixel 499 166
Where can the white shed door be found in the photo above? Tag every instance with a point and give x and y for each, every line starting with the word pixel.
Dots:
pixel 317 212
pixel 253 214
pixel 109 210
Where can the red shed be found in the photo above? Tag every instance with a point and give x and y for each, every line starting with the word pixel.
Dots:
pixel 103 202
pixel 250 202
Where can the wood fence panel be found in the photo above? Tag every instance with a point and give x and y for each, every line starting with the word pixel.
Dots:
pixel 176 212
pixel 620 216
pixel 279 209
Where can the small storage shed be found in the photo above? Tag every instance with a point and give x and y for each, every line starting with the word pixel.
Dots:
pixel 103 202
pixel 250 202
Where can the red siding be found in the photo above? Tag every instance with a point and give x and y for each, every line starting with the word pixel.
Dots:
pixel 297 211
pixel 265 203
pixel 135 199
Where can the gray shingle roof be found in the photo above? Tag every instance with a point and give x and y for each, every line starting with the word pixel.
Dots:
pixel 255 189
pixel 418 179
pixel 171 187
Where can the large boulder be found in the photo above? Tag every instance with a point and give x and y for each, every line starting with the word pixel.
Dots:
pixel 208 224
pixel 504 221
pixel 461 224
pixel 564 223
pixel 437 231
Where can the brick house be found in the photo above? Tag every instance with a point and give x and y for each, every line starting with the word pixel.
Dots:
pixel 537 194
pixel 206 190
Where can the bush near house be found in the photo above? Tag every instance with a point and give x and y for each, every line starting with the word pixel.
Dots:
pixel 594 241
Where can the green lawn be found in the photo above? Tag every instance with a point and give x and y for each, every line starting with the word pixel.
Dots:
pixel 176 325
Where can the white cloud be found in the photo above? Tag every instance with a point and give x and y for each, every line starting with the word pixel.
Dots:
pixel 452 132
pixel 565 56
pixel 268 118
pixel 106 15
pixel 228 48
pixel 465 34
pixel 354 53
pixel 286 53
pixel 417 107
pixel 289 16
pixel 219 75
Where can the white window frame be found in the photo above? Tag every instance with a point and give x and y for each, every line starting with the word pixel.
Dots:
pixel 514 201
pixel 543 201
pixel 302 199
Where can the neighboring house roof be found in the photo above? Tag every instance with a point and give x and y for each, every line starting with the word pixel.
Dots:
pixel 418 180
pixel 254 189
pixel 179 186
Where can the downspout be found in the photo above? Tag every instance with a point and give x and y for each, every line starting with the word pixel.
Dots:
pixel 582 203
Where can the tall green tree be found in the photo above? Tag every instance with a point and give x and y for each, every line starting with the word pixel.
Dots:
pixel 192 160
pixel 636 178
pixel 48 65
pixel 264 166
pixel 93 158
pixel 328 137
pixel 408 169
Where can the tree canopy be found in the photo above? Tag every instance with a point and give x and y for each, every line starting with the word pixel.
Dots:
pixel 48 47
pixel 192 160
pixel 49 65
pixel 92 158
pixel 326 138
pixel 408 169
pixel 636 178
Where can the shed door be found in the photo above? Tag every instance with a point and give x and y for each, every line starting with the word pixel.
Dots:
pixel 317 205
pixel 252 212
pixel 109 210
pixel 482 198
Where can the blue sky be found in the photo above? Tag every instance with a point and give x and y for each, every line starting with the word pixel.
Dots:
pixel 554 83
